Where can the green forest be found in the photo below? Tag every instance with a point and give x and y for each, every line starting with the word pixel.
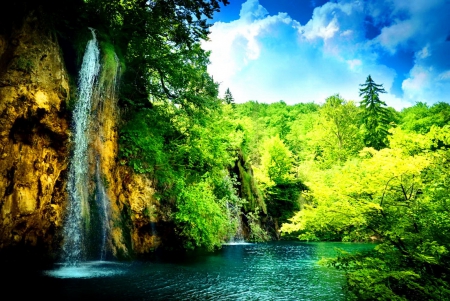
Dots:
pixel 352 170
pixel 344 170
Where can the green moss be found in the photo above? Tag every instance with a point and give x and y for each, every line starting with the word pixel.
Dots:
pixel 146 212
pixel 125 223
pixel 109 65
pixel 23 64
pixel 80 44
pixel 73 47
pixel 249 190
pixel 92 227
pixel 109 50
pixel 105 182
pixel 73 95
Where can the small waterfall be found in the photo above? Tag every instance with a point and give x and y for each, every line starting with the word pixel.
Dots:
pixel 104 116
pixel 102 202
pixel 239 237
pixel 235 219
pixel 77 218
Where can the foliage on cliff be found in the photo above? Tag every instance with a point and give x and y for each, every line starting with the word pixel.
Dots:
pixel 171 129
pixel 170 126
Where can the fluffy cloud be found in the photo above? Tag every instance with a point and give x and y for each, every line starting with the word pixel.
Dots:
pixel 420 27
pixel 273 57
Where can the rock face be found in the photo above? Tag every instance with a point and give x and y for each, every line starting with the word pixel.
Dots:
pixel 132 209
pixel 135 199
pixel 35 150
pixel 34 133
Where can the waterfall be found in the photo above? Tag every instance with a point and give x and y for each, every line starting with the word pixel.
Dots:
pixel 104 111
pixel 235 219
pixel 102 206
pixel 239 237
pixel 77 218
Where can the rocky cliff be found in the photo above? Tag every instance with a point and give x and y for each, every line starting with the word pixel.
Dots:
pixel 34 133
pixel 35 145
pixel 133 211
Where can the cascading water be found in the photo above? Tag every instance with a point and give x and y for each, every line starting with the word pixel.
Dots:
pixel 77 218
pixel 234 217
pixel 104 113
pixel 239 237
pixel 233 206
pixel 102 205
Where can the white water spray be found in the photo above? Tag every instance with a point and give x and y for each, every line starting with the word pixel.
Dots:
pixel 78 208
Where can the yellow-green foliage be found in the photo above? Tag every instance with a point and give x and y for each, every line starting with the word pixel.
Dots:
pixel 23 64
pixel 343 196
pixel 397 196
pixel 257 234
pixel 335 136
pixel 276 163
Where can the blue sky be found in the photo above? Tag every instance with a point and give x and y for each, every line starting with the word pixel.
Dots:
pixel 307 50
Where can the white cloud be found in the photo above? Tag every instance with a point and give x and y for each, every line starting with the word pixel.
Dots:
pixel 252 10
pixel 271 58
pixel 353 64
pixel 444 75
pixel 426 85
pixel 424 53
pixel 417 81
pixel 347 33
pixel 321 29
pixel 421 27
pixel 398 34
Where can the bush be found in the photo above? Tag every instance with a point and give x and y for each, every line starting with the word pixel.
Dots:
pixel 200 220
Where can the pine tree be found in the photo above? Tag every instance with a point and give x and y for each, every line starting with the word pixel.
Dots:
pixel 228 97
pixel 375 114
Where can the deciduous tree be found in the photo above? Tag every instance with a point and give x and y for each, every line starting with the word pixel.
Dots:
pixel 336 136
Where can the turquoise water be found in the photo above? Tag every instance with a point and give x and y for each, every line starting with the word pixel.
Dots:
pixel 272 271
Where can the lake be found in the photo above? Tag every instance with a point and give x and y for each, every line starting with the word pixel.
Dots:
pixel 265 271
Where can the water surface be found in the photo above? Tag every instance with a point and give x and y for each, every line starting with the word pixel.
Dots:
pixel 272 271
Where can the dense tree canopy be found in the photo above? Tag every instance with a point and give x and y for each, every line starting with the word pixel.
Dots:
pixel 421 117
pixel 170 106
pixel 397 197
pixel 337 134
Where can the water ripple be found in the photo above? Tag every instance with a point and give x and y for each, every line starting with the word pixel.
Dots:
pixel 273 271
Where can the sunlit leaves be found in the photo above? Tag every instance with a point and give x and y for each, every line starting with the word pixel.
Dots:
pixel 276 162
pixel 346 197
pixel 201 220
pixel 421 117
pixel 336 136
pixel 398 196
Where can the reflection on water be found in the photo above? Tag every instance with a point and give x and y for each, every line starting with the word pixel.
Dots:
pixel 90 269
pixel 272 271
pixel 237 243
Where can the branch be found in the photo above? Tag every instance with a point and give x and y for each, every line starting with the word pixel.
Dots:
pixel 166 90
pixel 404 192
pixel 385 188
